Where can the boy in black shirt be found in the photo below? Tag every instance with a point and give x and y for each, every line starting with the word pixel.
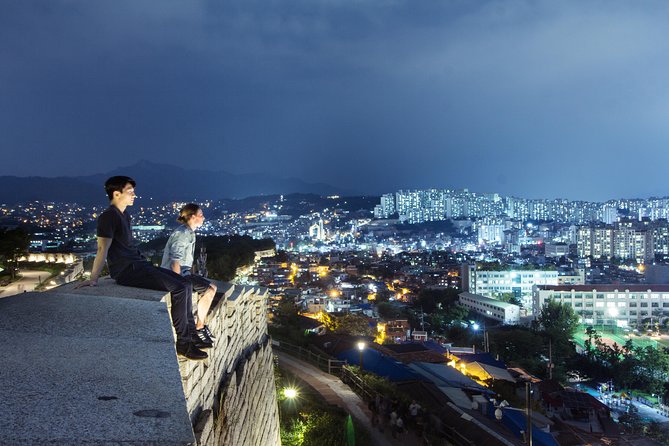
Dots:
pixel 128 267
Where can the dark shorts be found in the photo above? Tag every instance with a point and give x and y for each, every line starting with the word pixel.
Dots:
pixel 200 284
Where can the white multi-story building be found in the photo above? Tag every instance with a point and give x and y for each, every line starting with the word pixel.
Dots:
pixel 621 305
pixel 491 234
pixel 504 312
pixel 556 249
pixel 516 282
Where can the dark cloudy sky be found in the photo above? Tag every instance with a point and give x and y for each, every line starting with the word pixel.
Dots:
pixel 531 98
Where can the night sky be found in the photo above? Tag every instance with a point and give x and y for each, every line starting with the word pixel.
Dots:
pixel 539 99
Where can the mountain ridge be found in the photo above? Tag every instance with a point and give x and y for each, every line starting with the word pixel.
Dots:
pixel 158 181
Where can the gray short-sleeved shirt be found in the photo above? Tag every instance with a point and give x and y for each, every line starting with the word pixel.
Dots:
pixel 180 247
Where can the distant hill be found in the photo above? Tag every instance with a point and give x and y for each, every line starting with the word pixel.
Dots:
pixel 161 182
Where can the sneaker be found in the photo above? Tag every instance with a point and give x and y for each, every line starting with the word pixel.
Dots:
pixel 209 333
pixel 190 351
pixel 201 337
pixel 201 341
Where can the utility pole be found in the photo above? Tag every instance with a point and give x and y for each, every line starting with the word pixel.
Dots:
pixel 528 400
pixel 550 359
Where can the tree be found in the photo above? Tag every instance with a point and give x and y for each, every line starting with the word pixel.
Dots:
pixel 511 298
pixel 455 313
pixel 388 311
pixel 594 338
pixel 354 325
pixel 13 244
pixel 558 321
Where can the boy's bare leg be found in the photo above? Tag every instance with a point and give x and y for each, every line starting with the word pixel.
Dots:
pixel 203 305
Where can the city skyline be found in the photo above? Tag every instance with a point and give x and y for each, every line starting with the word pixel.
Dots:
pixel 537 100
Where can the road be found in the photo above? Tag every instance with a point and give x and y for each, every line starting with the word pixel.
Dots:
pixel 28 281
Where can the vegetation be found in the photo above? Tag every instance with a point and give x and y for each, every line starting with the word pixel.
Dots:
pixel 14 243
pixel 285 323
pixel 389 311
pixel 379 384
pixel 350 324
pixel 226 254
pixel 558 321
pixel 521 347
pixel 642 369
pixel 307 420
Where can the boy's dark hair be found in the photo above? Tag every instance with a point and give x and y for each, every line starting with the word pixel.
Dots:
pixel 116 184
pixel 187 212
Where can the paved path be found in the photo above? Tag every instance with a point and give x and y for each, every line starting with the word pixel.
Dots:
pixel 337 393
pixel 618 409
pixel 29 280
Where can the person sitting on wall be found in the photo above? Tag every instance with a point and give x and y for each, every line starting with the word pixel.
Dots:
pixel 179 255
pixel 128 267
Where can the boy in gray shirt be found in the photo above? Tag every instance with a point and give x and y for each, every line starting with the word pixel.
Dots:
pixel 179 255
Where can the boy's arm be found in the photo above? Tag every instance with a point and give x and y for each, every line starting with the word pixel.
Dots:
pixel 100 258
pixel 177 251
pixel 176 266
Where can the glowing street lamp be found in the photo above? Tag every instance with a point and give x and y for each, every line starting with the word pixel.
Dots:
pixel 290 393
pixel 361 347
pixel 486 343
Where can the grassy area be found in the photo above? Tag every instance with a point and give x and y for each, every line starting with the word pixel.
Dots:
pixel 307 420
pixel 618 336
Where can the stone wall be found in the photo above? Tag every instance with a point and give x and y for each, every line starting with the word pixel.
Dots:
pixel 230 396
pixel 98 366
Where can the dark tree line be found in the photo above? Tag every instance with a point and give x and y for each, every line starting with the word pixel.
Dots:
pixel 13 244
pixel 227 253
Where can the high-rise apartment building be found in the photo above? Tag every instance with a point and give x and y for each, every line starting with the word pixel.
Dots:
pixel 416 206
pixel 622 241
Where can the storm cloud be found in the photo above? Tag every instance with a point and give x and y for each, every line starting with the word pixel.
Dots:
pixel 537 99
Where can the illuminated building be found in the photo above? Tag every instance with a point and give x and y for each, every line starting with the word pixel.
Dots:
pixel 621 305
pixel 504 312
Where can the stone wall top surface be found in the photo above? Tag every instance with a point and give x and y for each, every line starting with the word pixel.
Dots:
pixel 85 367
pixel 108 287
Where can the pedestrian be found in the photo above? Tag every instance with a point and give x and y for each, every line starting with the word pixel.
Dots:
pixel 414 409
pixel 383 413
pixel 399 426
pixel 393 423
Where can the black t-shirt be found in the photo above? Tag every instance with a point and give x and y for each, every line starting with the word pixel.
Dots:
pixel 123 251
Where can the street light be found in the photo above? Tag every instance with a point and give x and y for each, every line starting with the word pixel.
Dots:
pixel 361 347
pixel 486 343
pixel 289 396
pixel 290 393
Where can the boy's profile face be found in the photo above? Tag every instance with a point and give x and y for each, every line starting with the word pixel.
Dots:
pixel 127 196
pixel 197 219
